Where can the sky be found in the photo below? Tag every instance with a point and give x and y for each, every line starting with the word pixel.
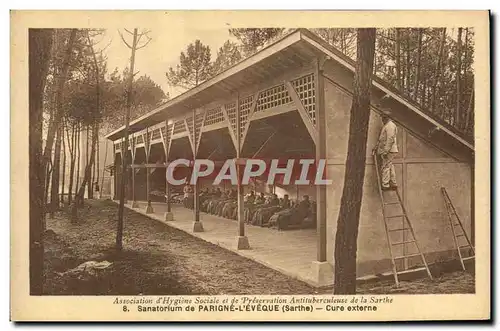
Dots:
pixel 162 52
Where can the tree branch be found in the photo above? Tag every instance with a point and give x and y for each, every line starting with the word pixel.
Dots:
pixel 96 33
pixel 123 39
pixel 138 40
pixel 147 42
pixel 106 47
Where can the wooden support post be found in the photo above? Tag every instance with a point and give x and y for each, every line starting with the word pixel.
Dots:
pixel 166 145
pixel 197 226
pixel 147 145
pixel 119 178
pixel 168 216
pixel 167 189
pixel 125 177
pixel 115 167
pixel 133 152
pixel 404 172
pixel 322 270
pixel 242 240
pixel 125 172
pixel 321 154
pixel 134 203
pixel 472 202
pixel 149 208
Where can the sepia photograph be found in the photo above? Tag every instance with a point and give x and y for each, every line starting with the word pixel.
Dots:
pixel 180 168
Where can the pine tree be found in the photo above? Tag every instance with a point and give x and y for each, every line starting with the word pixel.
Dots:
pixel 350 203
pixel 252 39
pixel 40 44
pixel 227 56
pixel 194 66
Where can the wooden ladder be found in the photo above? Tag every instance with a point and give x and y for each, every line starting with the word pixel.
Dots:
pixel 458 230
pixel 391 200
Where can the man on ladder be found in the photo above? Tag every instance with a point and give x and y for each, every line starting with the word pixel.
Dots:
pixel 399 231
pixel 387 148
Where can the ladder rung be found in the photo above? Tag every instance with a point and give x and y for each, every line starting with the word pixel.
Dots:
pixel 400 229
pixel 394 216
pixel 404 242
pixel 460 235
pixel 465 246
pixel 391 203
pixel 468 258
pixel 406 256
pixel 411 270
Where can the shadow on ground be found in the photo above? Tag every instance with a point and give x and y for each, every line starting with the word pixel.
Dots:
pixel 161 260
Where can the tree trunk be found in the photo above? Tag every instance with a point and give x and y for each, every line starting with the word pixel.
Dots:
pixel 93 172
pixel 87 161
pixel 63 165
pixel 86 178
pixel 350 204
pixel 40 44
pixel 119 231
pixel 78 150
pixel 456 120
pixel 397 54
pixel 465 82
pixel 469 113
pixel 423 100
pixel 61 80
pixel 437 74
pixel 56 167
pixel 47 187
pixel 72 152
pixel 93 167
pixel 90 188
pixel 419 59
pixel 104 166
pixel 97 161
pixel 407 64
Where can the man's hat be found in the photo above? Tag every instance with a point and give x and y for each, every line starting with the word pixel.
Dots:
pixel 384 105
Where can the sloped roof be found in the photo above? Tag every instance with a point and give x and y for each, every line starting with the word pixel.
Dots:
pixel 296 49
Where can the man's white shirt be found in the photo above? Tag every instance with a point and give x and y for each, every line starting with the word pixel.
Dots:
pixel 387 141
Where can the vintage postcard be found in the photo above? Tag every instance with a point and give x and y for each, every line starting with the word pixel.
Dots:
pixel 250 165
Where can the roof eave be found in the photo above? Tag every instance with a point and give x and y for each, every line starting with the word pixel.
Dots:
pixel 296 36
pixel 246 63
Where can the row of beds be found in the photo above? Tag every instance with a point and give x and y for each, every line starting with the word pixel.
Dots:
pixel 272 213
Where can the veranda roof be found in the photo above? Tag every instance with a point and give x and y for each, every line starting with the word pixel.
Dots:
pixel 299 48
